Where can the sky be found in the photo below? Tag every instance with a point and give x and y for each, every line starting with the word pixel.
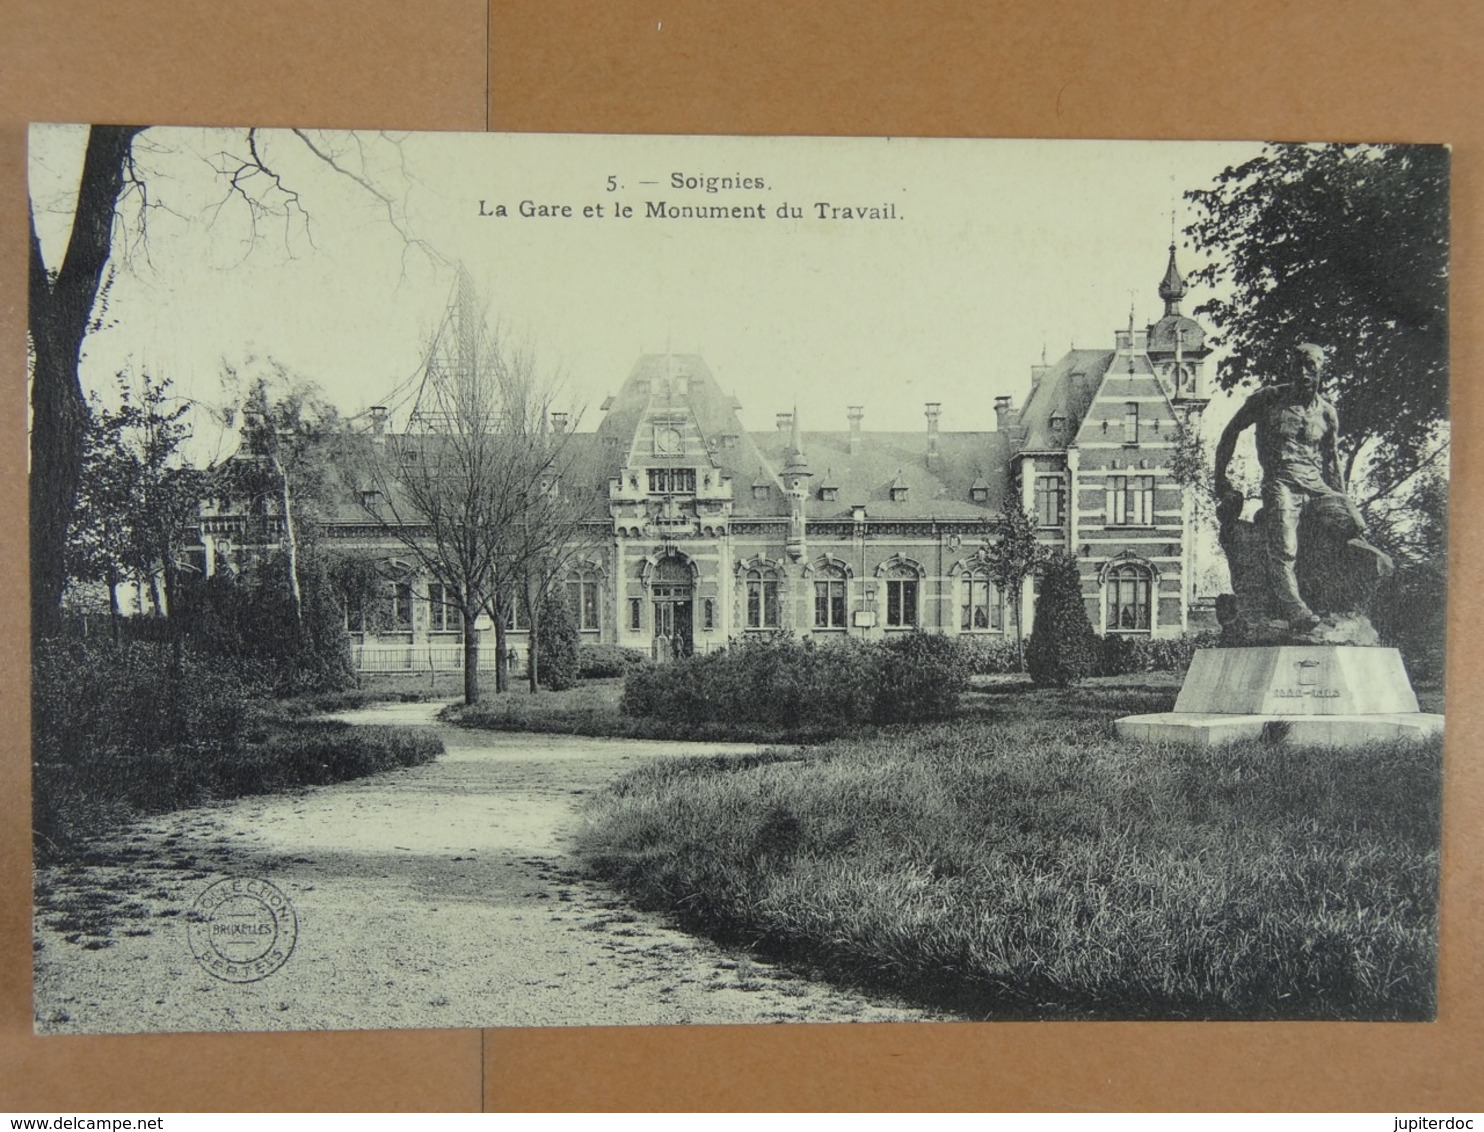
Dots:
pixel 990 253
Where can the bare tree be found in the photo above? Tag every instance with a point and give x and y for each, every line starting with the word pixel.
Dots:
pixel 553 534
pixel 471 488
pixel 63 301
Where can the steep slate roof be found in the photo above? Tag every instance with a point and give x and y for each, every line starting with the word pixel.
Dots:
pixel 1066 389
pixel 940 491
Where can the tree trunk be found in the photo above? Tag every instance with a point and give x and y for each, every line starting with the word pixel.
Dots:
pixel 113 602
pixel 290 543
pixel 471 658
pixel 502 675
pixel 532 647
pixel 60 309
pixel 1019 631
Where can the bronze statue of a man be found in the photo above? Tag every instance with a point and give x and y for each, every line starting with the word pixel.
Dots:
pixel 1304 506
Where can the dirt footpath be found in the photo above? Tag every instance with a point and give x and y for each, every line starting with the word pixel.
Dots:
pixel 440 895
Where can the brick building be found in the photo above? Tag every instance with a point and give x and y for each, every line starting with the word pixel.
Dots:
pixel 704 532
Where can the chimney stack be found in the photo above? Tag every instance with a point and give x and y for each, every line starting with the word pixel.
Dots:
pixel 855 412
pixel 933 411
pixel 785 421
pixel 1005 416
pixel 558 422
pixel 379 416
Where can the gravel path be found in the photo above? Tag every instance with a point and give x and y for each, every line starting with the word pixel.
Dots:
pixel 440 895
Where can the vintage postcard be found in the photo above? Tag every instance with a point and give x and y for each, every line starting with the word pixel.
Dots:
pixel 520 580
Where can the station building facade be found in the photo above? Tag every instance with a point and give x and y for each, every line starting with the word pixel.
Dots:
pixel 704 532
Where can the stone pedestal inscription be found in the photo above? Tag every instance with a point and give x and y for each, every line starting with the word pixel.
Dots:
pixel 1297 680
pixel 1303 694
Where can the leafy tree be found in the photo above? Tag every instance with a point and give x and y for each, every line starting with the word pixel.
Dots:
pixel 554 643
pixel 289 437
pixel 1346 246
pixel 1010 556
pixel 139 499
pixel 1063 647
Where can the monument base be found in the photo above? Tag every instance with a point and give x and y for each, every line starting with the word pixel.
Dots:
pixel 1214 730
pixel 1325 695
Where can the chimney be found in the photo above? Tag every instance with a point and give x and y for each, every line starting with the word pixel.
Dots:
pixel 855 413
pixel 785 421
pixel 933 411
pixel 379 416
pixel 1005 416
pixel 558 422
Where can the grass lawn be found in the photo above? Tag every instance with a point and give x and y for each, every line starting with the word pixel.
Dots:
pixel 1022 863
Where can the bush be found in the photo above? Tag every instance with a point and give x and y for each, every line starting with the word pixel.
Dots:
pixel 600 661
pixel 556 644
pixel 921 679
pixel 989 656
pixel 1121 655
pixel 803 687
pixel 120 729
pixel 249 618
pixel 1063 648
pixel 1410 613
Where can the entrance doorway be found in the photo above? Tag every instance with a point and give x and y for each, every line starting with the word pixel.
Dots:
pixel 674 620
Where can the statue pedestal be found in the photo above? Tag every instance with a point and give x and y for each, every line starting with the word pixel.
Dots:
pixel 1328 695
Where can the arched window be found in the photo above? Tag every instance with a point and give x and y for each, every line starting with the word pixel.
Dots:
pixel 981 609
pixel 582 599
pixel 1127 589
pixel 829 597
pixel 901 597
pixel 762 598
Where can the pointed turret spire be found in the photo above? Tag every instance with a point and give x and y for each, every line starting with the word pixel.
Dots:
pixel 1172 286
pixel 797 465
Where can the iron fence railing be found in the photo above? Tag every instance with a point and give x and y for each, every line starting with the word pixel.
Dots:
pixel 421 657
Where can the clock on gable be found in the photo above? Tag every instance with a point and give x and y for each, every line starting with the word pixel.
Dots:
pixel 667 441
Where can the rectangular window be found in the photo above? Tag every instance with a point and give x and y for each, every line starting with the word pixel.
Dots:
pixel 829 605
pixel 636 614
pixel 901 602
pixel 672 481
pixel 1131 501
pixel 762 603
pixel 1131 422
pixel 982 610
pixel 443 617
pixel 401 607
pixel 582 601
pixel 708 614
pixel 1050 501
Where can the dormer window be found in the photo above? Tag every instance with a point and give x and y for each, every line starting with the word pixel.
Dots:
pixel 898 491
pixel 979 493
pixel 370 499
pixel 1058 422
pixel 829 494
pixel 760 491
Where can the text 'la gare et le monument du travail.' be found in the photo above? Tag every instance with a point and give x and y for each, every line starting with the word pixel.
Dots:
pixel 658 205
